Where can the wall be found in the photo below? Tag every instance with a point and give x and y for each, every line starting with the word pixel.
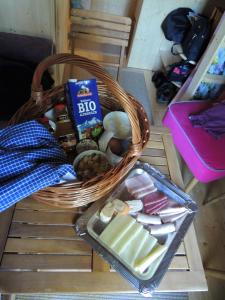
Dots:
pixel 30 17
pixel 37 17
pixel 148 38
pixel 124 8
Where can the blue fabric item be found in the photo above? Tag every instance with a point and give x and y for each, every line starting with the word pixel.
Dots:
pixel 211 119
pixel 30 160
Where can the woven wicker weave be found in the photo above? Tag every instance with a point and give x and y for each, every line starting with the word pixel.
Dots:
pixel 113 97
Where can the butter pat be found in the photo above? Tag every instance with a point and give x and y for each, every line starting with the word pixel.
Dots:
pixel 135 205
pixel 162 229
pixel 148 219
pixel 120 207
pixel 107 212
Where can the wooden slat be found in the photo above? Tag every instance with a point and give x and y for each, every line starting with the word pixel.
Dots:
pixel 179 262
pixel 100 24
pixel 15 245
pixel 99 264
pixel 101 16
pixel 154 152
pixel 220 79
pixel 181 250
pixel 99 39
pixel 157 161
pixel 61 21
pixel 100 57
pixel 5 221
pixel 122 55
pixel 44 217
pixel 44 262
pixel 42 231
pixel 192 250
pixel 71 282
pixel 30 203
pixel 163 169
pixel 155 145
pixel 101 32
pixel 174 168
pixel 159 130
pixel 155 137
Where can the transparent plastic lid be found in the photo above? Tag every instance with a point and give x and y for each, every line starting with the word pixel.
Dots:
pixel 139 227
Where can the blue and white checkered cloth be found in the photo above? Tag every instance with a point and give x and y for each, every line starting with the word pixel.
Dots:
pixel 30 160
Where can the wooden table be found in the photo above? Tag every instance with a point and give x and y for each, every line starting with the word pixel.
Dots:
pixel 40 252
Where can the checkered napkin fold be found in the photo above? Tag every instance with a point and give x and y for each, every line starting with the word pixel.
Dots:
pixel 30 160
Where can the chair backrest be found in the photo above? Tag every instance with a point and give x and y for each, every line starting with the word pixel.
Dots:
pixel 100 27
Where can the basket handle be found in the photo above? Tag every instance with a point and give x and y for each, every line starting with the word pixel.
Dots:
pixel 99 72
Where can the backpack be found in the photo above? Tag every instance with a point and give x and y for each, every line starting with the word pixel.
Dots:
pixel 176 24
pixel 165 90
pixel 196 39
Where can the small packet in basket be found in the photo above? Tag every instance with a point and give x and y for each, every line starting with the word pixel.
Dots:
pixel 84 106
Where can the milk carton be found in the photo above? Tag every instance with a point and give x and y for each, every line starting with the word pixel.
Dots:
pixel 84 107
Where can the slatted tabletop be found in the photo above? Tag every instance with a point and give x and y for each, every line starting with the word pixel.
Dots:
pixel 40 251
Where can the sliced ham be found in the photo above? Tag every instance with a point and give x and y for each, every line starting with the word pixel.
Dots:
pixel 144 192
pixel 155 202
pixel 174 217
pixel 140 185
pixel 162 229
pixel 154 198
pixel 172 210
pixel 155 207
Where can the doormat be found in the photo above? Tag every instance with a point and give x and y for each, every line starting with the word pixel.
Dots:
pixel 133 81
pixel 156 296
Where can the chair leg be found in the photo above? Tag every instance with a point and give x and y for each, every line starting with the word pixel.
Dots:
pixel 215 273
pixel 121 62
pixel 214 200
pixel 68 68
pixel 191 184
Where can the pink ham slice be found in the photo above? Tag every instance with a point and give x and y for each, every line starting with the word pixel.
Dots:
pixel 155 198
pixel 141 193
pixel 154 202
pixel 155 207
pixel 140 185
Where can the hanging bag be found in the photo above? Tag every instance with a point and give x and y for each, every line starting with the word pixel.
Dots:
pixel 176 24
pixel 196 39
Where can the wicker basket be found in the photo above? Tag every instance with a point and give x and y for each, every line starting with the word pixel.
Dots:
pixel 112 96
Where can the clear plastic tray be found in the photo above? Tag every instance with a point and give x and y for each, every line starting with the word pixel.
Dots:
pixel 90 227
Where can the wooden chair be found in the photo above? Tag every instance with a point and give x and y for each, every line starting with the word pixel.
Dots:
pixel 99 28
pixel 199 74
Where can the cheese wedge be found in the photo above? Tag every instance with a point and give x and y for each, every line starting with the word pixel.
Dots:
pixel 116 229
pixel 125 241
